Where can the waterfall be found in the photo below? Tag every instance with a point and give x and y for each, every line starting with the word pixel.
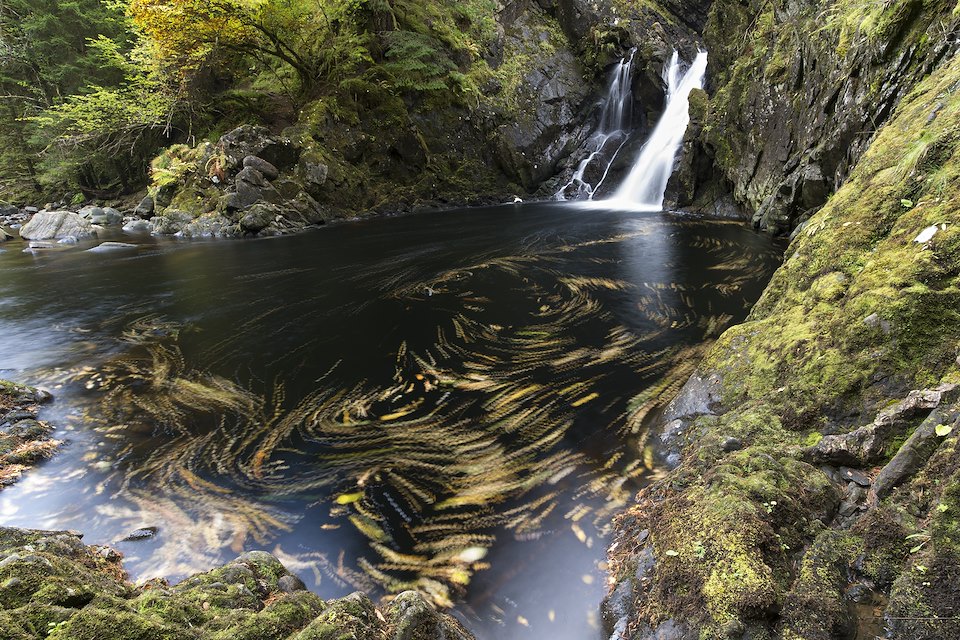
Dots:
pixel 611 133
pixel 647 181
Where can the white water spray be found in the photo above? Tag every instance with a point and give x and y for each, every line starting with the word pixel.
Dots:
pixel 611 134
pixel 645 185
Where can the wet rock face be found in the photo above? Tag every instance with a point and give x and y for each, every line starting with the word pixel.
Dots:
pixel 549 97
pixel 838 503
pixel 788 117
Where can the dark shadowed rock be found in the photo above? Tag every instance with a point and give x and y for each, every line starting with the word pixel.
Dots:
pixel 916 451
pixel 268 170
pixel 291 583
pixel 258 217
pixel 145 209
pixel 249 140
pixel 867 444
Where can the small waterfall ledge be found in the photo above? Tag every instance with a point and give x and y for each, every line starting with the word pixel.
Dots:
pixel 646 183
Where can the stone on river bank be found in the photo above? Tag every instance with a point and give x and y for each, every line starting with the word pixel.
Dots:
pixel 53 225
pixel 24 440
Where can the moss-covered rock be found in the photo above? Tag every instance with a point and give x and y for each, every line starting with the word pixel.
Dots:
pixel 54 586
pixel 800 89
pixel 849 357
pixel 24 440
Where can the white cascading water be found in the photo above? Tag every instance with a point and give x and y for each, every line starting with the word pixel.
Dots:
pixel 611 133
pixel 645 185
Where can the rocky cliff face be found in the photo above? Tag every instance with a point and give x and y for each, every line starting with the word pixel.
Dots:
pixel 543 73
pixel 799 89
pixel 814 481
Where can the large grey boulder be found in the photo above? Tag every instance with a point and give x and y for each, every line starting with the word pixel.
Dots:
pixel 172 221
pixel 52 225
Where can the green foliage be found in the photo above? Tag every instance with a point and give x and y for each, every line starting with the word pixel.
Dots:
pixel 413 62
pixel 50 50
pixel 96 133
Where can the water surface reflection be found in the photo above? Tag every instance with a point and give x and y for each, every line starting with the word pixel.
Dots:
pixel 448 402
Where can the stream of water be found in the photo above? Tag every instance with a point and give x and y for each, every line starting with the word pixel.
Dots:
pixel 446 401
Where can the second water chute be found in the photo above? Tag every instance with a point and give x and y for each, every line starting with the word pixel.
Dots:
pixel 612 132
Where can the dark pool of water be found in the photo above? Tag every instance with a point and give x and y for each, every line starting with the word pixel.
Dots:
pixel 443 401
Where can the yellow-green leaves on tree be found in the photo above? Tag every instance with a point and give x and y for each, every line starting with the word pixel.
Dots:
pixel 186 32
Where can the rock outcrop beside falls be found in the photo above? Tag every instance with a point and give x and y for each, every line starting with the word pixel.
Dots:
pixel 799 89
pixel 54 586
pixel 814 483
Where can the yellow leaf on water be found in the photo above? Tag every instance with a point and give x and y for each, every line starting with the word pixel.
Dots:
pixel 523 621
pixel 348 498
pixel 587 579
pixel 552 616
pixel 577 531
pixel 584 400
pixel 648 458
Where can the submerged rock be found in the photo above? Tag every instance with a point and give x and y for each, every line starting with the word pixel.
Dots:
pixel 143 533
pixel 106 247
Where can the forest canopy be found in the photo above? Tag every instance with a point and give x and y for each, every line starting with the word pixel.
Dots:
pixel 93 89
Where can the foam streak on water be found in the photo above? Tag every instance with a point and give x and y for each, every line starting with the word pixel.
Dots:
pixel 644 187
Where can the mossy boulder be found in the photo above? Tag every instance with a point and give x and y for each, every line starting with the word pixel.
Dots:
pixel 54 586
pixel 24 440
